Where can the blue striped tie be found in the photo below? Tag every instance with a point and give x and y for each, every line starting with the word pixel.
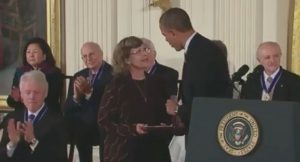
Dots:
pixel 31 117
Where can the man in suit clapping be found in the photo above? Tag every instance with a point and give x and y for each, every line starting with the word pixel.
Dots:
pixel 35 133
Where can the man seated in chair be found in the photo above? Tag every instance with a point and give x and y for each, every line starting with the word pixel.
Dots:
pixel 35 133
pixel 84 96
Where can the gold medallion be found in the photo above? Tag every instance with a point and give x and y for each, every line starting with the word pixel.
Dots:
pixel 266 97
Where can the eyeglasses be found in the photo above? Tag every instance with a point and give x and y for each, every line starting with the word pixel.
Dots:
pixel 140 51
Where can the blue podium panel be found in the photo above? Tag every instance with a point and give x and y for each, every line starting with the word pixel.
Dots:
pixel 278 128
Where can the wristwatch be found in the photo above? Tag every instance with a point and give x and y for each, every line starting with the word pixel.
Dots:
pixel 176 110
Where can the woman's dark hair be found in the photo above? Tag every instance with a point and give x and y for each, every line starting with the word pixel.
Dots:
pixel 121 53
pixel 42 43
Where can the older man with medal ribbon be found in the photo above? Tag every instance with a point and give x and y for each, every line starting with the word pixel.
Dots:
pixel 274 82
pixel 34 133
pixel 84 96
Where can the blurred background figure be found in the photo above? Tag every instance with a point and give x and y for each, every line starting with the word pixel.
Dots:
pixel 237 87
pixel 168 74
pixel 34 133
pixel 224 50
pixel 131 102
pixel 37 55
pixel 84 96
pixel 272 82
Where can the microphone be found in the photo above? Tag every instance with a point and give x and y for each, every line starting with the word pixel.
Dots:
pixel 256 70
pixel 237 76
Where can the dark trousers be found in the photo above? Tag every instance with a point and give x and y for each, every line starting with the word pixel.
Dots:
pixel 84 137
pixel 85 151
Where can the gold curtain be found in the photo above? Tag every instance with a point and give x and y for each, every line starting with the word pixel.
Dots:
pixel 294 52
pixel 54 29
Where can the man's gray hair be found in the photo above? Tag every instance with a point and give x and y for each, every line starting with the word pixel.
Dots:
pixel 267 44
pixel 37 76
pixel 94 45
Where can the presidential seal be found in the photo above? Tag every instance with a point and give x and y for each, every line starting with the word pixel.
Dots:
pixel 238 133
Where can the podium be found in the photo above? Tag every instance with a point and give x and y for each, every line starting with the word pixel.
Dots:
pixel 277 131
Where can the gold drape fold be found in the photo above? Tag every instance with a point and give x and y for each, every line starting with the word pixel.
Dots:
pixel 294 54
pixel 54 29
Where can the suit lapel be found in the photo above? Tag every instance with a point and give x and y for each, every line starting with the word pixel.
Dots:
pixel 100 79
pixel 280 88
pixel 155 69
pixel 44 125
pixel 258 90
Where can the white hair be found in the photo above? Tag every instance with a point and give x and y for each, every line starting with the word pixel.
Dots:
pixel 267 44
pixel 37 76
pixel 148 43
pixel 94 45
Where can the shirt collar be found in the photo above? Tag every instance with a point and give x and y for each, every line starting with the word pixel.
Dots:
pixel 37 112
pixel 272 76
pixel 96 71
pixel 188 41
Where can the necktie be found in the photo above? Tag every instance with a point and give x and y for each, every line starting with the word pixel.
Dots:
pixel 92 79
pixel 269 81
pixel 31 117
pixel 185 56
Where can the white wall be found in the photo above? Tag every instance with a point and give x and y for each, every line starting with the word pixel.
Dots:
pixel 89 20
pixel 242 25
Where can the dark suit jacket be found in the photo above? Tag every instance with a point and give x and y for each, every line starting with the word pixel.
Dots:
pixel 205 74
pixel 82 116
pixel 50 131
pixel 169 75
pixel 286 89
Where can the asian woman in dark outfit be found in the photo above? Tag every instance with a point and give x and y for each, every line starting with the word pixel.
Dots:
pixel 37 55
